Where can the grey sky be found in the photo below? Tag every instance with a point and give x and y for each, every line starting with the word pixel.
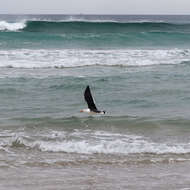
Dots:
pixel 95 6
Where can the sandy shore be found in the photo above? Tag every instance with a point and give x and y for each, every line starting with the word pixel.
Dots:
pixel 152 176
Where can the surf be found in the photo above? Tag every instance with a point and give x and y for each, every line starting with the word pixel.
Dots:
pixel 59 59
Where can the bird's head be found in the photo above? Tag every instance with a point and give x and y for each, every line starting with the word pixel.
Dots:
pixel 103 112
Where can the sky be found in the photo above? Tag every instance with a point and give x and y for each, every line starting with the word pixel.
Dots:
pixel 94 6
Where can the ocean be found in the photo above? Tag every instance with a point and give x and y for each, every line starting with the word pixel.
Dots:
pixel 138 69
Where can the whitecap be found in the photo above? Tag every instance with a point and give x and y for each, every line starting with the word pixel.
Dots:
pixel 61 58
pixel 11 26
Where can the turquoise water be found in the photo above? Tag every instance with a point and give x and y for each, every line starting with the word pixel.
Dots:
pixel 93 34
pixel 138 71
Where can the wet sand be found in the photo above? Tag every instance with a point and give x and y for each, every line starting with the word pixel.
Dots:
pixel 101 176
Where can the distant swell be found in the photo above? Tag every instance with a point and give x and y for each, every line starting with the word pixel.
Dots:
pixel 70 26
pixel 93 34
pixel 102 26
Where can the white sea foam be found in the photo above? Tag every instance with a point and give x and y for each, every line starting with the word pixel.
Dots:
pixel 100 142
pixel 112 147
pixel 11 26
pixel 44 58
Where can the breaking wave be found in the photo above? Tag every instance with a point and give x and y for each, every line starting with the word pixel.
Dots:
pixel 7 26
pixel 44 58
pixel 102 143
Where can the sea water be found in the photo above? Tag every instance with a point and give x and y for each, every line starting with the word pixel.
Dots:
pixel 138 69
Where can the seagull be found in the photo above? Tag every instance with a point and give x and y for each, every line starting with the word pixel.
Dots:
pixel 91 105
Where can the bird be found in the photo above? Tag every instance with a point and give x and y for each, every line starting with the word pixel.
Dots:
pixel 90 102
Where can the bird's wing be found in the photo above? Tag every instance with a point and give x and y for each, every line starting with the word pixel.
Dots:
pixel 89 99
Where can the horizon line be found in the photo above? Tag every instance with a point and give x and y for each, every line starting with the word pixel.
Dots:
pixel 92 14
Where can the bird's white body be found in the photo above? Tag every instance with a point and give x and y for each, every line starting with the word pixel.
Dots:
pixel 87 110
